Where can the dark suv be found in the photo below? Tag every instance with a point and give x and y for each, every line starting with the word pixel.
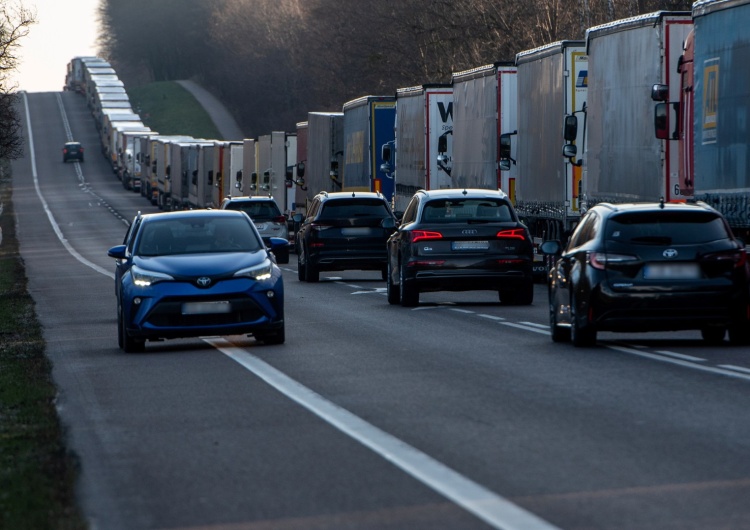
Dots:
pixel 460 240
pixel 72 151
pixel 649 267
pixel 343 231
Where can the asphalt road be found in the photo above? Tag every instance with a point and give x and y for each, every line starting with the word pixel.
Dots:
pixel 458 414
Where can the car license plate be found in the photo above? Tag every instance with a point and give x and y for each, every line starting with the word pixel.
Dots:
pixel 671 271
pixel 206 308
pixel 356 231
pixel 470 245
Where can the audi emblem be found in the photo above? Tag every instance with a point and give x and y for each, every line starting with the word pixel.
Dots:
pixel 203 281
pixel 469 232
pixel 670 253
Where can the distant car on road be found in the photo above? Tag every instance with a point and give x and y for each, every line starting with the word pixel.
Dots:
pixel 193 273
pixel 344 231
pixel 267 217
pixel 649 267
pixel 460 240
pixel 73 151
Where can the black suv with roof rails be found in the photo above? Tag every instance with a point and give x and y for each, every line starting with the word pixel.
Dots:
pixel 344 231
pixel 649 267
pixel 460 240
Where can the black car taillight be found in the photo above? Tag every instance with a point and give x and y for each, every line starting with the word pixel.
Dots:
pixel 513 233
pixel 600 260
pixel 737 258
pixel 419 235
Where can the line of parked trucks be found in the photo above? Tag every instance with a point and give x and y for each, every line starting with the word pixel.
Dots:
pixel 650 107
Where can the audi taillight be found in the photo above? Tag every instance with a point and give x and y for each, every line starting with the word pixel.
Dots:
pixel 513 233
pixel 419 235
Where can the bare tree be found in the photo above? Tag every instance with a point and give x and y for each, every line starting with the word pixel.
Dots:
pixel 15 21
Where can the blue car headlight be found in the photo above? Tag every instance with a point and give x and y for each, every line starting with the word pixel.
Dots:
pixel 260 272
pixel 144 278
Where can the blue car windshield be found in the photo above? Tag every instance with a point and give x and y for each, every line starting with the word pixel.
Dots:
pixel 197 235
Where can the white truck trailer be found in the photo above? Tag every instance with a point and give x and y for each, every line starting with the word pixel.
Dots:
pixel 623 161
pixel 552 84
pixel 423 139
pixel 485 103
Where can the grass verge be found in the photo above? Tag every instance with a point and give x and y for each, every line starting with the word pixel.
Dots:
pixel 37 473
pixel 168 108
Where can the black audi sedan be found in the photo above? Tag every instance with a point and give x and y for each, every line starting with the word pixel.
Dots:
pixel 649 267
pixel 460 240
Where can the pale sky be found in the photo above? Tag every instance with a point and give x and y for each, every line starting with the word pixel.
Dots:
pixel 64 29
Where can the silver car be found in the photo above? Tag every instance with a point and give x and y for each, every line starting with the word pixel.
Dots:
pixel 267 217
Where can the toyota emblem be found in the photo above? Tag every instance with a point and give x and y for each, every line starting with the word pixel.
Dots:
pixel 670 253
pixel 203 281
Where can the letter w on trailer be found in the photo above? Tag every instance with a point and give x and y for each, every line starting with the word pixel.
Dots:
pixel 423 141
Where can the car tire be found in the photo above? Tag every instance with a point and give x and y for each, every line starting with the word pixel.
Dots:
pixel 582 336
pixel 120 341
pixel 129 344
pixel 394 296
pixel 713 335
pixel 558 333
pixel 312 274
pixel 408 292
pixel 739 334
pixel 300 268
pixel 282 256
pixel 523 296
pixel 277 336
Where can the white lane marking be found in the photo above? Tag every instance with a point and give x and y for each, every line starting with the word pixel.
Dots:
pixel 680 362
pixel 527 328
pixel 466 311
pixel 736 368
pixel 681 356
pixel 491 317
pixel 47 210
pixel 534 324
pixel 377 290
pixel 493 509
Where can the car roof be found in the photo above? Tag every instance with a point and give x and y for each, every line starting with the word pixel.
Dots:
pixel 188 214
pixel 655 207
pixel 470 193
pixel 351 194
pixel 249 199
pixel 72 143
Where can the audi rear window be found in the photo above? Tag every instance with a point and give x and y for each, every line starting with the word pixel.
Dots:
pixel 666 228
pixel 463 210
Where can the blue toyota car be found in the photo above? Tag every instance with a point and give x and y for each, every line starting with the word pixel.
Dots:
pixel 196 273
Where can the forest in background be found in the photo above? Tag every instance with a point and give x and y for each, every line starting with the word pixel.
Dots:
pixel 273 61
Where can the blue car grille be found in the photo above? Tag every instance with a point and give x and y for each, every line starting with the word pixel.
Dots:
pixel 168 314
